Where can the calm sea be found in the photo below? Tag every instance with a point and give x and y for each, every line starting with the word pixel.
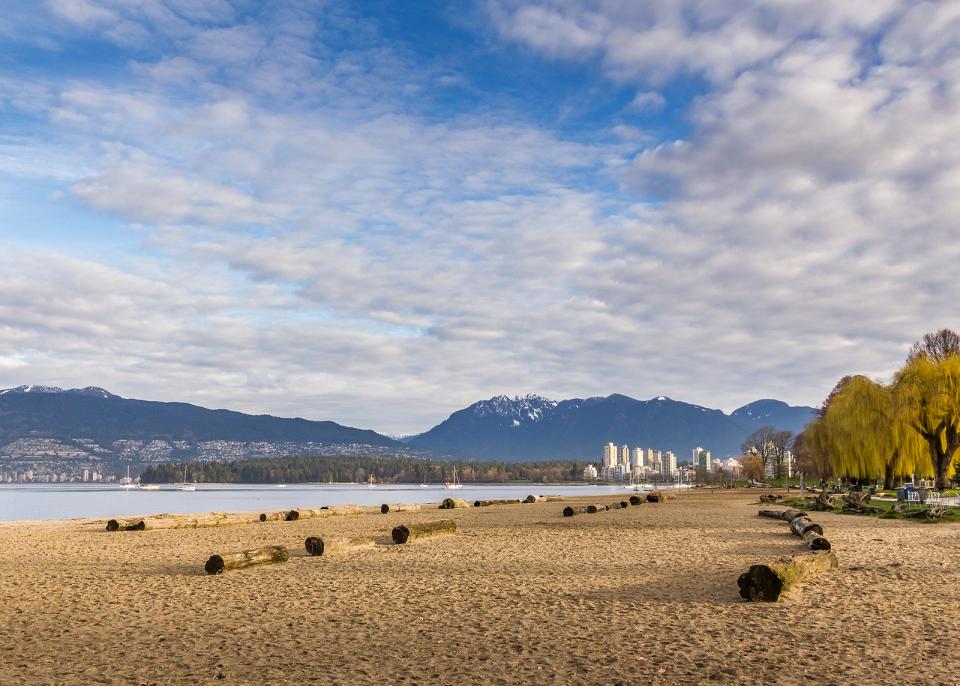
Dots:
pixel 66 501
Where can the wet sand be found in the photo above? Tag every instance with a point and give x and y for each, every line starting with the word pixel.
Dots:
pixel 520 595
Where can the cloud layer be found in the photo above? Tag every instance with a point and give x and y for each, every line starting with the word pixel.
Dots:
pixel 307 226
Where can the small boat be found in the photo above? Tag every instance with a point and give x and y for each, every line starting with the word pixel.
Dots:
pixel 183 485
pixel 370 483
pixel 281 485
pixel 148 487
pixel 126 483
pixel 450 485
pixel 424 486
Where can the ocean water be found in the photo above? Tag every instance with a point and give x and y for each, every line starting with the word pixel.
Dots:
pixel 67 501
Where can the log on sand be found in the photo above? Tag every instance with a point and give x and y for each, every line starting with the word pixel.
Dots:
pixel 247 558
pixel 502 501
pixel 404 533
pixel 636 500
pixel 593 509
pixel 274 516
pixel 337 510
pixel 399 507
pixel 329 545
pixel 542 498
pixel 167 521
pixel 801 525
pixel 571 510
pixel 453 503
pixel 785 515
pixel 770 582
pixel 656 497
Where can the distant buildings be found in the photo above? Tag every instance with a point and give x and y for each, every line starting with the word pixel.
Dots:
pixel 622 463
pixel 589 473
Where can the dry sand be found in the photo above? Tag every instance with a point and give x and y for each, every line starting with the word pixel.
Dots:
pixel 519 596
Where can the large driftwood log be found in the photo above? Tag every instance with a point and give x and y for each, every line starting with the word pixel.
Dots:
pixel 593 509
pixel 656 496
pixel 815 541
pixel 274 516
pixel 166 521
pixel 329 545
pixel 571 510
pixel 501 501
pixel 785 515
pixel 404 533
pixel 542 498
pixel 770 582
pixel 453 503
pixel 770 497
pixel 316 513
pixel 399 507
pixel 636 500
pixel 247 558
pixel 801 525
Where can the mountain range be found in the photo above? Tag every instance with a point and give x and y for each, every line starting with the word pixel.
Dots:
pixel 532 427
pixel 519 428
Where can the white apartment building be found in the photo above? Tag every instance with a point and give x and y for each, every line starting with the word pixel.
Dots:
pixel 589 473
pixel 668 464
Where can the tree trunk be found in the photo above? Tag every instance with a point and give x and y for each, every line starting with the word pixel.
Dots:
pixel 593 509
pixel 315 545
pixel 399 507
pixel 502 501
pixel 571 510
pixel 801 525
pixel 157 522
pixel 816 541
pixel 785 515
pixel 274 516
pixel 247 558
pixel 636 500
pixel 656 497
pixel 453 503
pixel 770 582
pixel 315 513
pixel 401 534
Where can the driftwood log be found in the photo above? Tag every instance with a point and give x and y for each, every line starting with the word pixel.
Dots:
pixel 329 545
pixel 404 533
pixel 656 496
pixel 770 582
pixel 453 503
pixel 274 516
pixel 399 507
pixel 542 498
pixel 316 513
pixel 593 509
pixel 636 500
pixel 247 558
pixel 166 521
pixel 785 515
pixel 800 524
pixel 770 497
pixel 501 501
pixel 571 510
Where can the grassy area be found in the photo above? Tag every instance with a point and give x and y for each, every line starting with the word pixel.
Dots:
pixel 887 507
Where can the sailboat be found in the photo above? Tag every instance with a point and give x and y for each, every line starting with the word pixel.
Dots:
pixel 370 483
pixel 183 485
pixel 126 483
pixel 455 483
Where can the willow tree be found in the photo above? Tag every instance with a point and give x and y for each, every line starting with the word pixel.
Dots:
pixel 927 392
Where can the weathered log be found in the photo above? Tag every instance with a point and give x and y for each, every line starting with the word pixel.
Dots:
pixel 801 525
pixel 571 510
pixel 531 499
pixel 636 500
pixel 317 545
pixel 246 558
pixel 543 498
pixel 593 509
pixel 785 515
pixel 167 521
pixel 404 533
pixel 815 541
pixel 453 503
pixel 656 496
pixel 770 497
pixel 399 507
pixel 315 513
pixel 770 582
pixel 501 501
pixel 624 503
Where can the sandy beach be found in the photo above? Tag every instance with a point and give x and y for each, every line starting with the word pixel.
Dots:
pixel 520 595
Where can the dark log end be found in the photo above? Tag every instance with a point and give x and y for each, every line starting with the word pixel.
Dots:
pixel 530 499
pixel 568 511
pixel 263 517
pixel 384 509
pixel 820 543
pixel 635 500
pixel 400 534
pixel 214 565
pixel 476 503
pixel 314 545
pixel 113 525
pixel 593 509
pixel 624 503
pixel 293 515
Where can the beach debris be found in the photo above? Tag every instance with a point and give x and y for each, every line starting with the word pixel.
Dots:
pixel 169 521
pixel 802 526
pixel 593 509
pixel 768 582
pixel 404 533
pixel 453 503
pixel 636 500
pixel 856 501
pixel 319 545
pixel 542 498
pixel 656 497
pixel 399 507
pixel 270 554
pixel 928 513
pixel 770 497
pixel 501 501
pixel 315 513
pixel 571 510
pixel 274 516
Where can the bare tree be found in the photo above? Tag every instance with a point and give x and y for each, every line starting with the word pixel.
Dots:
pixel 778 456
pixel 937 346
pixel 760 443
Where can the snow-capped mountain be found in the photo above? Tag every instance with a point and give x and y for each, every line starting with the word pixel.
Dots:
pixel 92 391
pixel 533 427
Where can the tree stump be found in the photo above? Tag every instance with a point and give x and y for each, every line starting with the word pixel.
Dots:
pixel 218 564
pixel 404 533
pixel 770 582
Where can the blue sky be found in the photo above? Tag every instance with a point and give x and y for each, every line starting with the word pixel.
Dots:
pixel 378 213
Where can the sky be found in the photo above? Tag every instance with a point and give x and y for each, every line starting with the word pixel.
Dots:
pixel 378 213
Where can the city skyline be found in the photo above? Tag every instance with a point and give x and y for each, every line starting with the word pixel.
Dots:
pixel 374 216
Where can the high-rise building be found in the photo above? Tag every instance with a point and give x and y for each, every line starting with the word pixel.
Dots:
pixel 701 461
pixel 668 464
pixel 625 456
pixel 636 459
pixel 609 455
